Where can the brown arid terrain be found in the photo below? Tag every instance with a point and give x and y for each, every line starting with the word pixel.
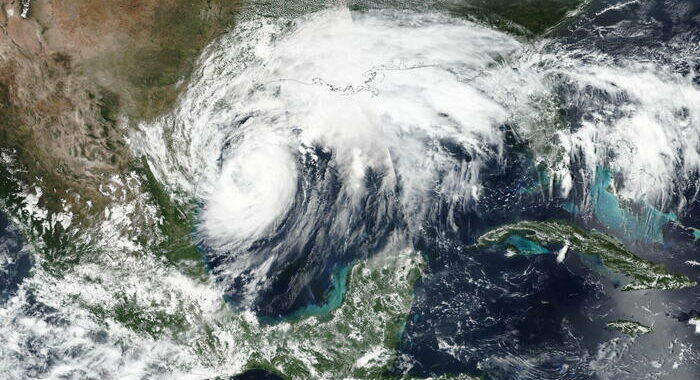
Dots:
pixel 74 75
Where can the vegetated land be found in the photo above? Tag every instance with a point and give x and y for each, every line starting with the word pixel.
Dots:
pixel 614 256
pixel 631 328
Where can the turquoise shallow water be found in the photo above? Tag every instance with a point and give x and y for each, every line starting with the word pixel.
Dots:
pixel 333 300
pixel 595 263
pixel 526 246
pixel 645 224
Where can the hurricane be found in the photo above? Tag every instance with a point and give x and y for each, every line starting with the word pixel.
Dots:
pixel 394 190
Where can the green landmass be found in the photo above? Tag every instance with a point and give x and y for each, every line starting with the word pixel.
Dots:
pixel 358 338
pixel 177 224
pixel 643 274
pixel 631 328
pixel 536 16
pixel 127 312
pixel 529 18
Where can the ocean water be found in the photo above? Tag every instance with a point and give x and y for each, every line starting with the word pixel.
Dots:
pixel 317 138
pixel 15 261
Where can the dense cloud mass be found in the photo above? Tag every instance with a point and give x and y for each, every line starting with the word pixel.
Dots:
pixel 407 109
pixel 341 171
